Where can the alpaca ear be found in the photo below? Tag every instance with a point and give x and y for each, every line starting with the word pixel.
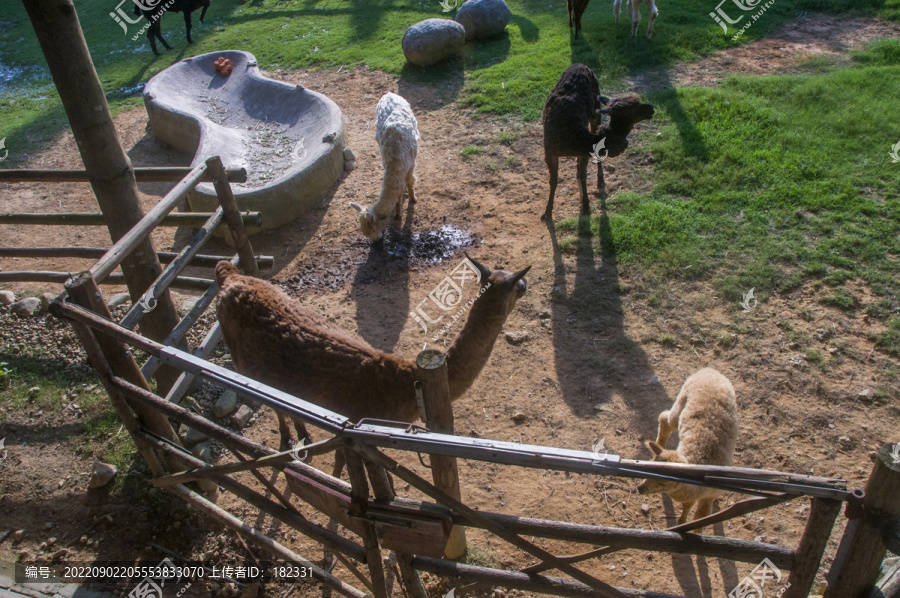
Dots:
pixel 485 273
pixel 518 275
pixel 356 206
pixel 654 448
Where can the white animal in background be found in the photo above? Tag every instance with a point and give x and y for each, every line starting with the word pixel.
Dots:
pixel 397 133
pixel 634 11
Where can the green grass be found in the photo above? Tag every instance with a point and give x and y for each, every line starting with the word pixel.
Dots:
pixel 769 181
pixel 472 150
pixel 507 76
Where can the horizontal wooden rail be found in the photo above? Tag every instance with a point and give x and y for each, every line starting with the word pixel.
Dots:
pixel 147 174
pixel 192 219
pixel 265 262
pixel 187 283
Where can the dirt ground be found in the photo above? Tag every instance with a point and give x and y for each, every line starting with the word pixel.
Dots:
pixel 600 362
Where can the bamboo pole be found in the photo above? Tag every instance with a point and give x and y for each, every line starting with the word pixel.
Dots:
pixel 192 219
pixel 858 559
pixel 819 525
pixel 235 225
pixel 265 262
pixel 431 367
pixel 144 174
pixel 110 171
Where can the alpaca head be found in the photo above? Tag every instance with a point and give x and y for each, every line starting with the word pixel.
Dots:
pixel 628 109
pixel 651 486
pixel 372 225
pixel 503 289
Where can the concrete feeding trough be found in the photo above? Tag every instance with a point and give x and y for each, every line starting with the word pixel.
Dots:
pixel 290 139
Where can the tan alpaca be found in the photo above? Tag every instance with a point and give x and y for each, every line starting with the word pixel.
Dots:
pixel 279 342
pixel 705 416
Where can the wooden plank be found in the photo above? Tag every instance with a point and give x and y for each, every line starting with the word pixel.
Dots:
pixel 819 525
pixel 265 262
pixel 143 174
pixel 193 219
pixel 359 500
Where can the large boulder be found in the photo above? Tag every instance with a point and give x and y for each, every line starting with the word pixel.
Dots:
pixel 483 19
pixel 432 40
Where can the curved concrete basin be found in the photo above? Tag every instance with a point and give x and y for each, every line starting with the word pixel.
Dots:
pixel 290 139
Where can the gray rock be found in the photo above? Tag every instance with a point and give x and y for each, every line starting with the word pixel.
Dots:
pixel 241 416
pixel 517 338
pixel 203 451
pixel 226 403
pixel 349 156
pixel 653 380
pixel 102 474
pixel 192 437
pixel 27 307
pixel 117 300
pixel 7 297
pixel 46 300
pixel 483 19
pixel 432 40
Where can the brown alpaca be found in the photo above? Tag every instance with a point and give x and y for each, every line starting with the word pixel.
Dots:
pixel 278 342
pixel 705 416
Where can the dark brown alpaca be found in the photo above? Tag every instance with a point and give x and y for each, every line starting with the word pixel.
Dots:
pixel 572 117
pixel 154 17
pixel 576 8
pixel 277 341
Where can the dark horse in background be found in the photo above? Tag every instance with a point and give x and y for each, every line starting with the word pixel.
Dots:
pixel 154 16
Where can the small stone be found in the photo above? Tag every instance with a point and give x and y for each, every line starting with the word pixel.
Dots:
pixel 866 394
pixel 27 307
pixel 84 540
pixel 18 535
pixel 794 346
pixel 192 437
pixel 519 417
pixel 645 509
pixel 545 315
pixel 610 168
pixel 349 165
pixel 845 440
pixel 59 554
pixel 226 403
pixel 653 380
pixel 241 416
pixel 118 300
pixel 33 391
pixel 517 338
pixel 101 474
pixel 7 297
pixel 203 451
pixel 349 156
pixel 51 541
pixel 488 215
pixel 46 300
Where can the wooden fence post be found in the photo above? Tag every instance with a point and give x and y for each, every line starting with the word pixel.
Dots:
pixel 110 171
pixel 858 560
pixel 819 525
pixel 359 493
pixel 232 216
pixel 435 390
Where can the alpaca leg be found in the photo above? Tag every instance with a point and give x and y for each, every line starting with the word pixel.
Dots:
pixel 553 166
pixel 704 508
pixel 662 436
pixel 411 184
pixel 152 39
pixel 285 432
pixel 653 13
pixel 569 9
pixel 601 184
pixel 634 11
pixel 203 12
pixel 339 461
pixel 397 207
pixel 188 25
pixel 685 511
pixel 617 6
pixel 302 433
pixel 582 181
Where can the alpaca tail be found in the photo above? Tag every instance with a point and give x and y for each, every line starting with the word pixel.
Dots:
pixel 224 270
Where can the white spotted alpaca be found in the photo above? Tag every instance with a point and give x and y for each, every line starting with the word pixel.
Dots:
pixel 397 133
pixel 634 12
pixel 706 419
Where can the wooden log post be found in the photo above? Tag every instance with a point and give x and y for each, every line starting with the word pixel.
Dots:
pixel 359 491
pixel 236 228
pixel 110 171
pixel 822 514
pixel 856 565
pixel 438 416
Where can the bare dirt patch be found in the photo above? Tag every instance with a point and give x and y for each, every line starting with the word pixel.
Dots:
pixel 607 348
pixel 811 35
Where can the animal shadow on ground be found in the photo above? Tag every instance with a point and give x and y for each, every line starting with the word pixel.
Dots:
pixel 381 287
pixel 595 359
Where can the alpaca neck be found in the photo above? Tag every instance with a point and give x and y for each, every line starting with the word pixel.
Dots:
pixel 392 187
pixel 472 348
pixel 618 127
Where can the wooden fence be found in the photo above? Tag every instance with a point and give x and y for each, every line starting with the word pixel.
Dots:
pixel 422 533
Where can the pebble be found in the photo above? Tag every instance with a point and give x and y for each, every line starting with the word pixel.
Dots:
pixel 645 509
pixel 203 451
pixel 59 554
pixel 33 391
pixel 192 437
pixel 102 474
pixel 225 404
pixel 7 297
pixel 27 307
pixel 517 338
pixel 46 300
pixel 241 416
pixel 519 417
pixel 18 535
pixel 653 380
pixel 118 300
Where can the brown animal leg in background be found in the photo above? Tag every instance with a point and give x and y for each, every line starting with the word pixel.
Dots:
pixel 553 166
pixel 704 507
pixel 570 10
pixel 601 184
pixel 205 5
pixel 662 436
pixel 188 24
pixel 285 431
pixel 397 208
pixel 302 432
pixel 686 510
pixel 582 181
